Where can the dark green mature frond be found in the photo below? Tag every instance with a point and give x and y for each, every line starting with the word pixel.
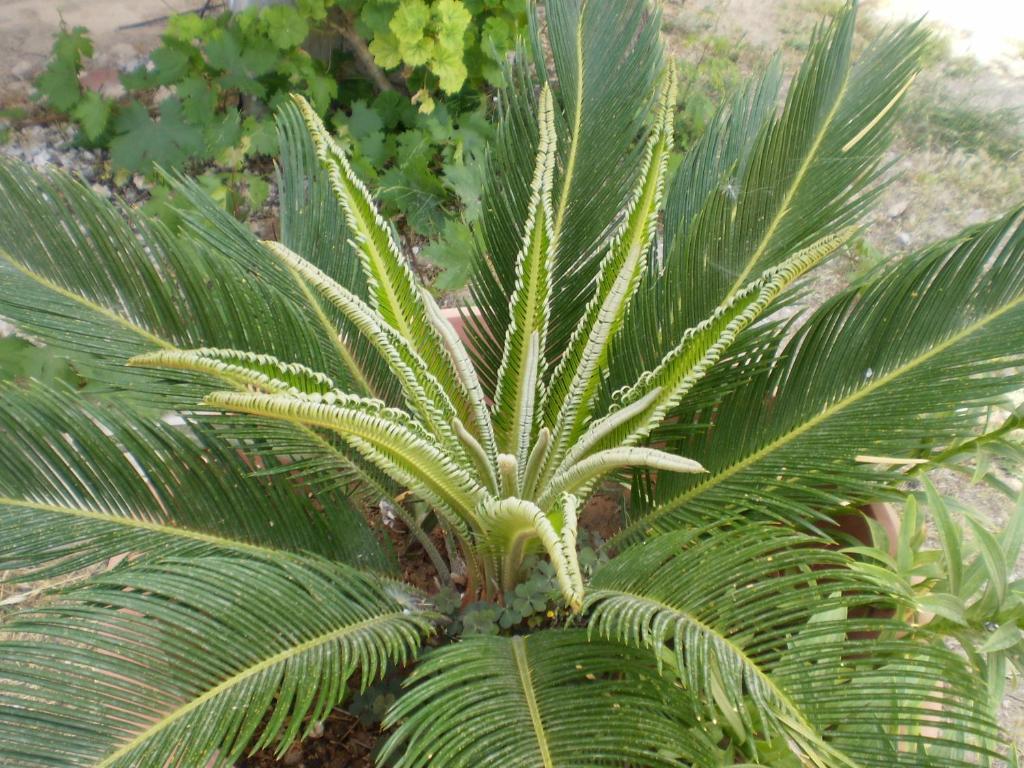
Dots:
pixel 893 367
pixel 100 285
pixel 607 58
pixel 80 484
pixel 834 688
pixel 760 185
pixel 550 699
pixel 608 338
pixel 146 666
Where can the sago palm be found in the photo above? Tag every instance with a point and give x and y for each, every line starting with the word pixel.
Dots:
pixel 625 329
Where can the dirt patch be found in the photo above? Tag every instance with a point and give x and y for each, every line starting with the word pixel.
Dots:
pixel 342 741
pixel 119 30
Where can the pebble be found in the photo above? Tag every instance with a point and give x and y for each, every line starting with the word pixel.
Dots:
pixel 23 70
pixel 897 210
pixel 124 56
pixel 293 757
pixel 52 146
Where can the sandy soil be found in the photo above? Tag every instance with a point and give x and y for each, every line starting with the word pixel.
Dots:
pixel 992 31
pixel 27 27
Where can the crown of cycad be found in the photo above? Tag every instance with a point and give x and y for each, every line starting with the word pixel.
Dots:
pixel 505 477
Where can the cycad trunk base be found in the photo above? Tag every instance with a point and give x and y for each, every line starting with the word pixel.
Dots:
pixel 625 331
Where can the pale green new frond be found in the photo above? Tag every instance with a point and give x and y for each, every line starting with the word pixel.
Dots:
pixel 318 458
pixel 576 381
pixel 616 423
pixel 484 464
pixel 145 666
pixel 385 436
pixel 424 394
pixel 699 350
pixel 81 484
pixel 829 686
pixel 606 59
pixel 581 476
pixel 896 366
pixel 535 462
pixel 392 287
pixel 547 700
pixel 510 524
pixel 520 376
pixel 314 227
pixel 251 369
pixel 468 378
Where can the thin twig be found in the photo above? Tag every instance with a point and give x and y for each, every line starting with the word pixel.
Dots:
pixel 421 536
pixel 357 46
pixel 201 10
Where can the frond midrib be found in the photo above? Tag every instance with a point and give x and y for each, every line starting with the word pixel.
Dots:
pixel 145 525
pixel 351 364
pixel 111 760
pixel 787 199
pixel 526 680
pixel 574 143
pixel 821 416
pixel 85 302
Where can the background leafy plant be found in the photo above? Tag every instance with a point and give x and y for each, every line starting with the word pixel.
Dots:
pixel 220 78
pixel 722 632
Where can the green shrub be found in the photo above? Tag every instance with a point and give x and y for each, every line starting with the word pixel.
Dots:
pixel 221 77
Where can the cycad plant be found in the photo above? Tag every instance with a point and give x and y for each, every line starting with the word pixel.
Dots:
pixel 251 402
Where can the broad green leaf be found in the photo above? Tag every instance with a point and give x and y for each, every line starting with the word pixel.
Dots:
pixel 142 143
pixel 453 253
pixel 93 113
pixel 409 24
pixel 992 555
pixel 947 606
pixel 950 537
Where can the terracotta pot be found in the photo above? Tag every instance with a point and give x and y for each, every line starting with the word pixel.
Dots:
pixel 454 315
pixel 854 524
